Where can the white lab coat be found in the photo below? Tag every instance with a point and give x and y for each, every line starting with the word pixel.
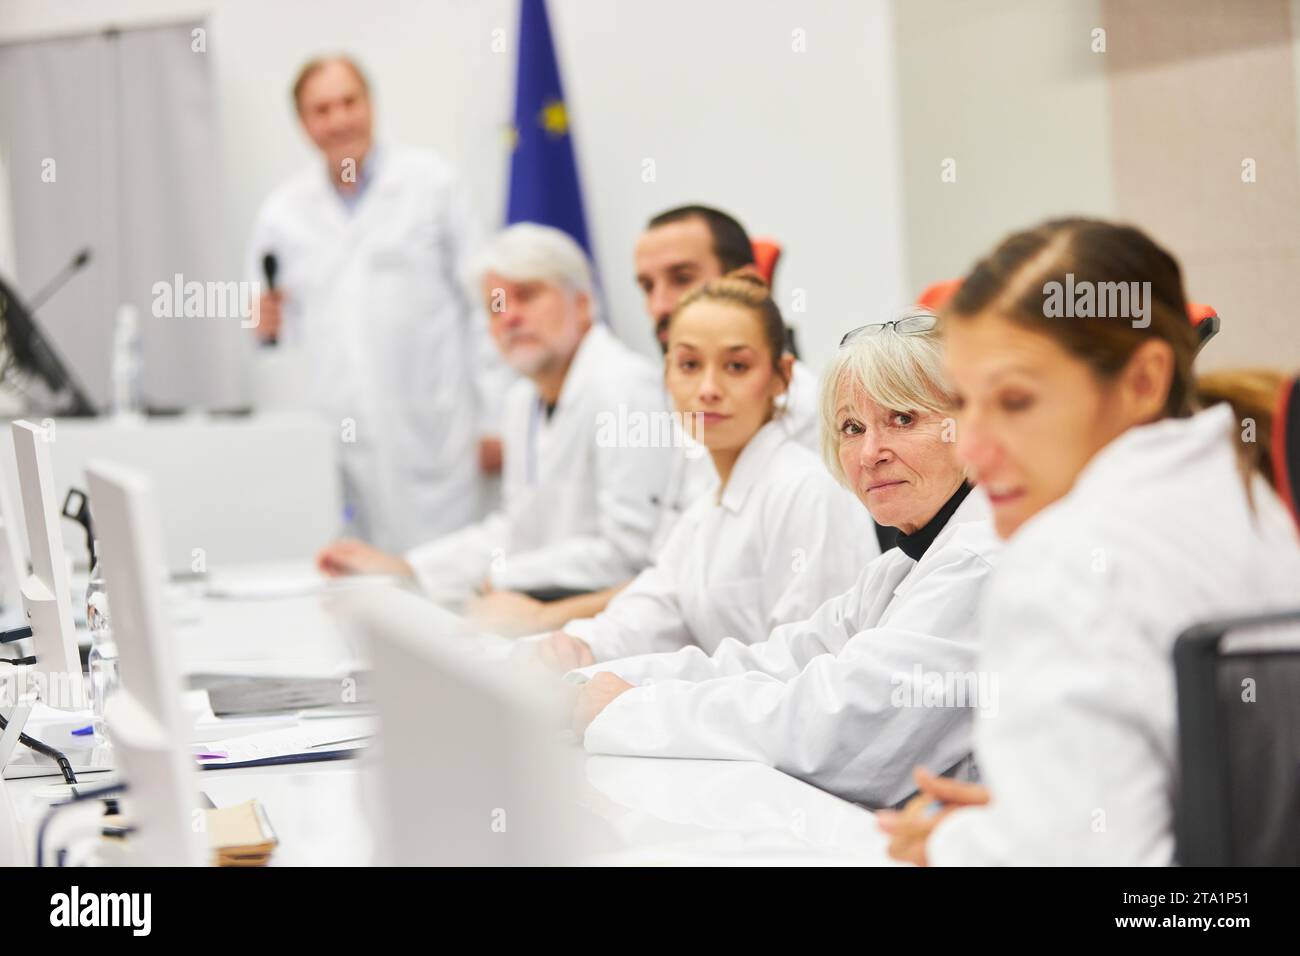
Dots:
pixel 693 476
pixel 1080 623
pixel 802 415
pixel 577 509
pixel 837 699
pixel 397 357
pixel 784 537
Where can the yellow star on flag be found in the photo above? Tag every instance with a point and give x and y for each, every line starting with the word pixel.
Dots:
pixel 554 118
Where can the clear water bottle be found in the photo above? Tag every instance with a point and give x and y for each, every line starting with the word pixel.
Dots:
pixel 127 361
pixel 102 662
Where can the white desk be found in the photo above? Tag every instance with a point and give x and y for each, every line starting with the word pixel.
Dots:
pixel 655 812
pixel 293 636
pixel 725 812
pixel 652 811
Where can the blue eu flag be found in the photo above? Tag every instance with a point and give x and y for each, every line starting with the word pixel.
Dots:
pixel 543 175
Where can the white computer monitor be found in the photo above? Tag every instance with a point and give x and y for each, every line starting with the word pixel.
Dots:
pixel 143 715
pixel 46 597
pixel 470 762
pixel 13 566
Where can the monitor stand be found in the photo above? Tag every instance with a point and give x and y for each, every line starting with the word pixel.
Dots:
pixel 17 721
pixel 19 762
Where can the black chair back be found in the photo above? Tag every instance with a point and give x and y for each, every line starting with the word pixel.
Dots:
pixel 1238 801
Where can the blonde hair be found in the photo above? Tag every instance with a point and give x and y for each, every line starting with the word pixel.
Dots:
pixel 903 372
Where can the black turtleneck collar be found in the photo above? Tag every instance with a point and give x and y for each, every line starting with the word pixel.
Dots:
pixel 914 545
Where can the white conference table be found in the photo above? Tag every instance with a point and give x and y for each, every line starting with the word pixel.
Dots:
pixel 652 811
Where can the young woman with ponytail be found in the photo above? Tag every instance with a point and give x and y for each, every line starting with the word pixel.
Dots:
pixel 1135 501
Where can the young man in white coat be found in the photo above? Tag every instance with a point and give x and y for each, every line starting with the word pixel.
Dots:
pixel 366 250
pixel 578 495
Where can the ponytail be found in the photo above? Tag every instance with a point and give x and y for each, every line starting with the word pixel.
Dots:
pixel 1253 395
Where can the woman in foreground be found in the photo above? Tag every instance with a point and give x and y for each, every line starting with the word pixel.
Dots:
pixel 1134 505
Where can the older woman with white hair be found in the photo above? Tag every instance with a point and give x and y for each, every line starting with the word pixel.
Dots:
pixel 879 678
pixel 578 507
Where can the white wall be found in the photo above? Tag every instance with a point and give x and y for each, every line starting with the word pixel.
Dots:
pixel 1152 131
pixel 799 145
pixel 1196 88
pixel 1010 90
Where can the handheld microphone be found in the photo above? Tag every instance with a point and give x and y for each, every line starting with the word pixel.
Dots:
pixel 270 266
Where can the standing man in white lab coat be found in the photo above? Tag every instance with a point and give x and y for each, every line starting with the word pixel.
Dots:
pixel 366 251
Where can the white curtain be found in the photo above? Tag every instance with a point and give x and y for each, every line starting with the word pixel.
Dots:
pixel 123 122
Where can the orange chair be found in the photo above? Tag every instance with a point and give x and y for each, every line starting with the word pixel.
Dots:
pixel 1286 446
pixel 1204 318
pixel 767 253
pixel 937 294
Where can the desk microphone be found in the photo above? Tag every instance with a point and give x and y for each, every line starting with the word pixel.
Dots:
pixel 60 280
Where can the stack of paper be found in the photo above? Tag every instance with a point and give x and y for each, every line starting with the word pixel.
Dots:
pixel 240 835
pixel 235 695
pixel 306 742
